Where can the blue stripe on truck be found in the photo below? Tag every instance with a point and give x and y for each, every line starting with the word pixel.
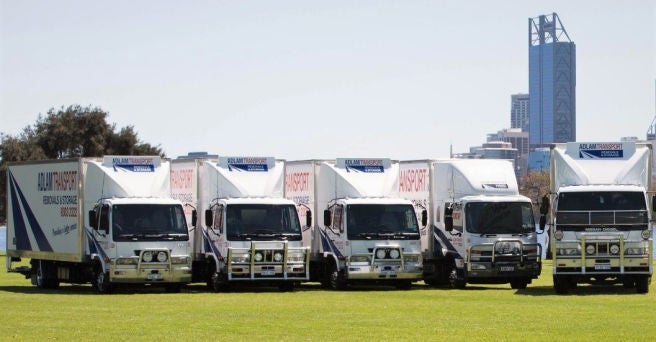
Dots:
pixel 21 228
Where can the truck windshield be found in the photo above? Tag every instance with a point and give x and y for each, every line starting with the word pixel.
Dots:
pixel 133 222
pixel 262 222
pixel 379 221
pixel 578 210
pixel 499 218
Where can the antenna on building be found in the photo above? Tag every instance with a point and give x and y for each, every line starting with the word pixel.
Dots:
pixel 651 132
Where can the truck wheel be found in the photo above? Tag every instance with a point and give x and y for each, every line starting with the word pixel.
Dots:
pixel 561 284
pixel 103 286
pixel 337 279
pixel 45 278
pixel 219 282
pixel 456 281
pixel 642 284
pixel 518 284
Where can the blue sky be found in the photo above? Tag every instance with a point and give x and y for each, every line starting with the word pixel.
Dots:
pixel 318 79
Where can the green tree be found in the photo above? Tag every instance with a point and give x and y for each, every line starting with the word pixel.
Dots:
pixel 74 131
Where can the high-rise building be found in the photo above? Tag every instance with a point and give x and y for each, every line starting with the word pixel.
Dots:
pixel 552 82
pixel 519 104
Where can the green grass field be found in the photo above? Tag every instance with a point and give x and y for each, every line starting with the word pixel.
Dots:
pixel 490 312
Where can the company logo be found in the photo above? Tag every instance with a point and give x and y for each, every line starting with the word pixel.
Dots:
pixel 247 164
pixel 601 151
pixel 364 165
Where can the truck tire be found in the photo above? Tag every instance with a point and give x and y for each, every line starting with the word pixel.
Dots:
pixel 103 286
pixel 219 282
pixel 642 284
pixel 337 279
pixel 561 284
pixel 456 279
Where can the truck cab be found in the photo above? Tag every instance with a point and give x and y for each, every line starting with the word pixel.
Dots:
pixel 139 240
pixel 371 240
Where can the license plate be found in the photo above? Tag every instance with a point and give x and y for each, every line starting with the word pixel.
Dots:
pixel 506 268
pixel 602 267
pixel 268 272
pixel 155 276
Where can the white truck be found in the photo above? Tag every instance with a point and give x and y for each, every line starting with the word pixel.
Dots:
pixel 367 233
pixel 601 214
pixel 106 221
pixel 479 229
pixel 250 233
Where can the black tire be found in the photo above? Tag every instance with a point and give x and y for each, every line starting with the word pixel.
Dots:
pixel 337 279
pixel 628 283
pixel 561 284
pixel 102 283
pixel 642 284
pixel 219 282
pixel 518 284
pixel 456 280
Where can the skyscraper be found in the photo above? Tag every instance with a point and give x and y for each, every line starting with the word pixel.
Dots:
pixel 519 104
pixel 552 82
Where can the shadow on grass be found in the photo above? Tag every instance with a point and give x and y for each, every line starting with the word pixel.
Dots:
pixel 581 290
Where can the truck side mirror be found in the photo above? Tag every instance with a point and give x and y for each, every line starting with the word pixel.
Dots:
pixel 424 218
pixel 543 222
pixel 93 221
pixel 208 218
pixel 326 218
pixel 653 203
pixel 448 219
pixel 194 218
pixel 308 218
pixel 544 206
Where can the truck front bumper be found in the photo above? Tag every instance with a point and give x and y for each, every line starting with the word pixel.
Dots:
pixel 152 274
pixel 501 271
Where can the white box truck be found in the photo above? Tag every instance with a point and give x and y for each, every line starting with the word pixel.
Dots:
pixel 601 214
pixel 250 234
pixel 106 221
pixel 367 232
pixel 480 230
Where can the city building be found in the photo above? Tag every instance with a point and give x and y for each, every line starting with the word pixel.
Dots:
pixel 519 141
pixel 552 83
pixel 519 105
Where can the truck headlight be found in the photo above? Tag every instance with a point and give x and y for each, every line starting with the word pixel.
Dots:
pixel 147 256
pixel 380 253
pixel 179 260
pixel 295 257
pixel 558 235
pixel 359 258
pixel 614 249
pixel 277 257
pixel 646 234
pixel 636 251
pixel 258 256
pixel 240 257
pixel 162 256
pixel 409 258
pixel 590 249
pixel 395 254
pixel 126 261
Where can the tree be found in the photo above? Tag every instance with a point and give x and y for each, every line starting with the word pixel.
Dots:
pixel 535 185
pixel 74 131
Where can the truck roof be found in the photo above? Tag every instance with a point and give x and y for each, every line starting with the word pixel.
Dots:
pixel 600 187
pixel 375 200
pixel 258 200
pixel 142 200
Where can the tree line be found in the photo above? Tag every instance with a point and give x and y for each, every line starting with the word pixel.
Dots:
pixel 68 132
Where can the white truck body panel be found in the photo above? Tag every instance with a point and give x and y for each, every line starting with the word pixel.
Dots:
pixel 48 221
pixel 322 184
pixel 601 213
pixel 432 185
